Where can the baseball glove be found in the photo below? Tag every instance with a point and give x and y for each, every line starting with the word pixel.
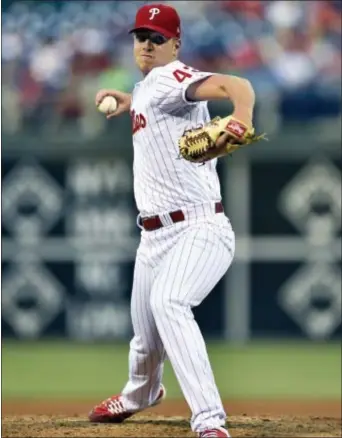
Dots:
pixel 216 139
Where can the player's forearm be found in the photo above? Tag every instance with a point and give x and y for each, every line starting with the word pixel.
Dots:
pixel 241 93
pixel 219 87
pixel 127 101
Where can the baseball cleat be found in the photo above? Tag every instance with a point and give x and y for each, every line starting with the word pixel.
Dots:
pixel 112 409
pixel 218 432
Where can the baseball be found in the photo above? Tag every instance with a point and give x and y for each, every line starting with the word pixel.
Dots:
pixel 108 105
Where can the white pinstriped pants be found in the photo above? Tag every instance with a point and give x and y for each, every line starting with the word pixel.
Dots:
pixel 176 268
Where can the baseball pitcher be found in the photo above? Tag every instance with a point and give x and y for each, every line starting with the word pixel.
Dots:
pixel 187 242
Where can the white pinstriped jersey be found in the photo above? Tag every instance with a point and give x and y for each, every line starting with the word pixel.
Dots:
pixel 160 114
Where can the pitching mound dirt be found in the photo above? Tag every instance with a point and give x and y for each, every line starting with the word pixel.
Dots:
pixel 160 426
pixel 171 419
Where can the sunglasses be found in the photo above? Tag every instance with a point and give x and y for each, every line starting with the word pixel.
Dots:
pixel 154 37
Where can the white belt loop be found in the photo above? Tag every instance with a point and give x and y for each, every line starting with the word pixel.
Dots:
pixel 165 219
pixel 139 222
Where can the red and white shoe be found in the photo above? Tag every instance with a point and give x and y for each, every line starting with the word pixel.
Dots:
pixel 112 409
pixel 219 432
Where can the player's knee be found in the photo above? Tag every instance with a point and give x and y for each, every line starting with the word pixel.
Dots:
pixel 164 305
pixel 160 304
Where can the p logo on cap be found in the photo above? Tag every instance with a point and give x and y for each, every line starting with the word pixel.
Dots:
pixel 160 18
pixel 153 12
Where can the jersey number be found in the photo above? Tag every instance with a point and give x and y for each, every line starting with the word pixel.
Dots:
pixel 181 75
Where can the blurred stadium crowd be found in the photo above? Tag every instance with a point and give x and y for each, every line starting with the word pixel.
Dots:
pixel 56 55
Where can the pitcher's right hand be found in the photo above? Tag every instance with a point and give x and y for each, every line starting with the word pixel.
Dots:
pixel 123 100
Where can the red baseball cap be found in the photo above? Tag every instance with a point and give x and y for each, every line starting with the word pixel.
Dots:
pixel 160 18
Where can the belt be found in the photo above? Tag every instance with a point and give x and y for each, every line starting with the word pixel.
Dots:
pixel 154 222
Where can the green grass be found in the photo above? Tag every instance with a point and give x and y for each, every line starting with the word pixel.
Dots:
pixel 262 370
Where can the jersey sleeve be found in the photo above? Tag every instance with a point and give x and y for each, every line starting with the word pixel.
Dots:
pixel 172 84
